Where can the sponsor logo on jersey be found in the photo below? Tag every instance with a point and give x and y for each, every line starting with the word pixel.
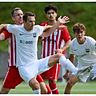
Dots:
pixel 21 34
pixel 26 42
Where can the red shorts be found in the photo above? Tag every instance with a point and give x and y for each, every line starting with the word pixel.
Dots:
pixel 52 73
pixel 12 78
pixel 39 78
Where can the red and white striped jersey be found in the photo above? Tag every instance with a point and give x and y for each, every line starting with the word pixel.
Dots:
pixel 54 41
pixel 11 48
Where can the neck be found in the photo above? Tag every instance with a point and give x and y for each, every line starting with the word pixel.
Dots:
pixel 81 41
pixel 51 22
pixel 27 28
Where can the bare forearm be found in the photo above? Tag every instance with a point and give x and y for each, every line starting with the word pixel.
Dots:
pixel 2 36
pixel 61 20
pixel 66 45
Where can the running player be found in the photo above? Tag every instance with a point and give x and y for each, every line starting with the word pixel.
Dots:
pixel 12 78
pixel 84 48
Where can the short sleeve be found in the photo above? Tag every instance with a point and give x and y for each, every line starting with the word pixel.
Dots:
pixel 11 28
pixel 70 49
pixel 40 29
pixel 65 34
pixel 93 43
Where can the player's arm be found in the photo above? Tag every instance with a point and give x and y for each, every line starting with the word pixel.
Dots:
pixel 5 34
pixel 2 36
pixel 50 29
pixel 3 26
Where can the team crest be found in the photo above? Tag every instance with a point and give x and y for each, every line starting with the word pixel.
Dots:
pixel 87 50
pixel 34 35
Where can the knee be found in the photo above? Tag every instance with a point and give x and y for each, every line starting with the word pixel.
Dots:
pixel 33 83
pixel 43 91
pixel 52 81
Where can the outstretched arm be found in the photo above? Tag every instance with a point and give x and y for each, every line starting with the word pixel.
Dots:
pixel 51 29
pixel 2 36
pixel 3 26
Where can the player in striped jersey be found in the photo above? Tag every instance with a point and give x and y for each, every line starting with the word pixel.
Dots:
pixel 58 41
pixel 12 78
pixel 84 48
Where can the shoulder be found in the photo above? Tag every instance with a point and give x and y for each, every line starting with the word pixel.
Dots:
pixel 64 29
pixel 38 27
pixel 44 23
pixel 73 42
pixel 90 39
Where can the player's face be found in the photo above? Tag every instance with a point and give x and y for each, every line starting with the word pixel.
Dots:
pixel 18 17
pixel 30 22
pixel 51 15
pixel 80 36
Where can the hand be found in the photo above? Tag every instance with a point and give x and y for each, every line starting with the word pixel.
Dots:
pixel 58 51
pixel 63 19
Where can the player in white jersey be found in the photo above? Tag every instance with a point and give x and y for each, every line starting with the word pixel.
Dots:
pixel 12 74
pixel 84 48
pixel 26 49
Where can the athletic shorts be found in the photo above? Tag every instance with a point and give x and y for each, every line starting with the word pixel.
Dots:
pixel 12 78
pixel 39 78
pixel 84 72
pixel 52 73
pixel 31 70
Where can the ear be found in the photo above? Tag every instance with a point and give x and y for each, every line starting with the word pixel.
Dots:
pixel 13 19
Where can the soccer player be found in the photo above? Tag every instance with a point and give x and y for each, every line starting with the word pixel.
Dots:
pixel 84 48
pixel 26 49
pixel 53 43
pixel 12 78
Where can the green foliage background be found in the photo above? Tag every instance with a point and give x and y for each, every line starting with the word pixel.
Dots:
pixel 83 12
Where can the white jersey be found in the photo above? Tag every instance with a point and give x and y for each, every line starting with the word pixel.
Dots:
pixel 26 43
pixel 85 53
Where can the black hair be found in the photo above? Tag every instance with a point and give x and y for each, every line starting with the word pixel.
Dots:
pixel 49 7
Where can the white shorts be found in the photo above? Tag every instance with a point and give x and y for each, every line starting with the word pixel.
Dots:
pixel 29 71
pixel 93 71
pixel 85 72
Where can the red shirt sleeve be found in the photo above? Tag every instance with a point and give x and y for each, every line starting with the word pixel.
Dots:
pixel 6 33
pixel 65 34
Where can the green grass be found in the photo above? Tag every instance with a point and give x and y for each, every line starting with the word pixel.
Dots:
pixel 79 88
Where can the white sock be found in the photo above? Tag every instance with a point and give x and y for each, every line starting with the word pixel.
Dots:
pixel 67 64
pixel 38 91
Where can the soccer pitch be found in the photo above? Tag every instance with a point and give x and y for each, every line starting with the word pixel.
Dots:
pixel 79 88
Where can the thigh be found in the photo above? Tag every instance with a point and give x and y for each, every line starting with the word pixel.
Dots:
pixel 29 71
pixel 43 65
